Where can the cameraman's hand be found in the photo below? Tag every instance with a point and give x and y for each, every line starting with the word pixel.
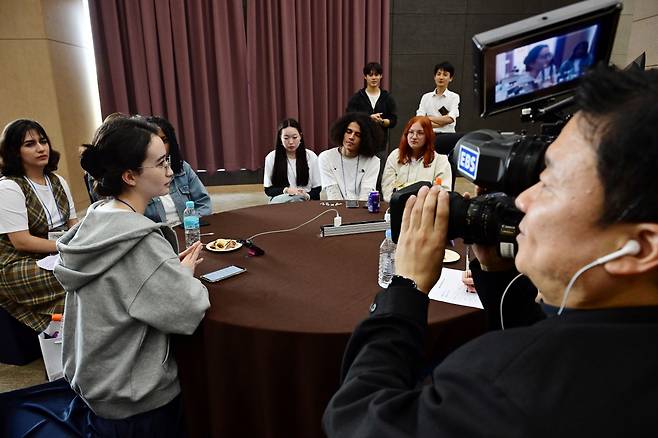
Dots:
pixel 489 259
pixel 420 249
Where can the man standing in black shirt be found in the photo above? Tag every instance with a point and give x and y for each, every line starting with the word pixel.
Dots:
pixel 374 101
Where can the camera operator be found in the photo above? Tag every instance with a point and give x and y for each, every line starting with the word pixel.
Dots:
pixel 589 371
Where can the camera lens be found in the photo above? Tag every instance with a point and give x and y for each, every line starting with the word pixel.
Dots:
pixel 491 219
pixel 524 164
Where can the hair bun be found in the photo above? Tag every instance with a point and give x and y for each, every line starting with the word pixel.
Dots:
pixel 90 161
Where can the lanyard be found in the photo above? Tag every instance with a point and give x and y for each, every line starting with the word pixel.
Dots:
pixel 49 216
pixel 356 173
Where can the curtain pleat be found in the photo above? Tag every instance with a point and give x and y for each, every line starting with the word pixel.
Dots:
pixel 224 78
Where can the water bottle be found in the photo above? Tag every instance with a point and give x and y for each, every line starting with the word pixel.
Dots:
pixel 386 260
pixel 54 329
pixel 191 224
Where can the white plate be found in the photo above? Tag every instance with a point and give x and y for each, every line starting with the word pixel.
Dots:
pixel 238 245
pixel 450 256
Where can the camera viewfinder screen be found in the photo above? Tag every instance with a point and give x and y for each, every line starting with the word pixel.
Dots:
pixel 545 63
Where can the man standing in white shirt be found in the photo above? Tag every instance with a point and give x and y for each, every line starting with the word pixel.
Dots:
pixel 441 105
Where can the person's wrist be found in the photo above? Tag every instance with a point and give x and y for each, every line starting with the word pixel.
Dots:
pixel 401 281
pixel 497 266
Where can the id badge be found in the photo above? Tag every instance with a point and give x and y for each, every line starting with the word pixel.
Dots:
pixel 54 235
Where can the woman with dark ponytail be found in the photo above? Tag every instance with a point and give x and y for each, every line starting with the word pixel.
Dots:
pixel 127 289
pixel 291 171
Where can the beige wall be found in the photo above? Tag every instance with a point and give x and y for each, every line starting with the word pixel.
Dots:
pixel 43 76
pixel 620 48
pixel 644 31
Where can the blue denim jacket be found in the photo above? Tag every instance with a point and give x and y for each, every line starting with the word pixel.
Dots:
pixel 185 186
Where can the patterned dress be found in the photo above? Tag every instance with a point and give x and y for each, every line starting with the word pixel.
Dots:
pixel 27 292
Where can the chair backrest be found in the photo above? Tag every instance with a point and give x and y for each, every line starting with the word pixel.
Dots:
pixel 444 143
pixel 89 183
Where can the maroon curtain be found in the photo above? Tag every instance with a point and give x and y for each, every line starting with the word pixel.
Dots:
pixel 306 58
pixel 224 81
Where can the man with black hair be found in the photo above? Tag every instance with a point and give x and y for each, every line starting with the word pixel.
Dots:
pixel 375 101
pixel 588 242
pixel 349 171
pixel 441 105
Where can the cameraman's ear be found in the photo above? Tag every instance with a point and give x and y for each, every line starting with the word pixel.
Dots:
pixel 646 260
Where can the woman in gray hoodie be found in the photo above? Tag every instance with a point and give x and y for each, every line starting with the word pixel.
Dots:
pixel 127 289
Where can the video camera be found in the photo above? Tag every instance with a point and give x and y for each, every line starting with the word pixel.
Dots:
pixel 521 64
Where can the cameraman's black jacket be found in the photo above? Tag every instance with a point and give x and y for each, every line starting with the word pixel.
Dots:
pixel 585 373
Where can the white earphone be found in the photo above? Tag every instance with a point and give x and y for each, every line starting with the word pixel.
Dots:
pixel 632 247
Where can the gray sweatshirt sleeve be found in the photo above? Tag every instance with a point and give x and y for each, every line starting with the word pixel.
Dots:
pixel 171 299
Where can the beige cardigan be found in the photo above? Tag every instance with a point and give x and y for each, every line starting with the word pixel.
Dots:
pixel 397 176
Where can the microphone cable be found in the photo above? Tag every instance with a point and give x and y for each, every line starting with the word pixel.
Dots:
pixel 336 219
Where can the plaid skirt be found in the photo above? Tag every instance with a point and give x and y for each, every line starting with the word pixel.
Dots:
pixel 30 294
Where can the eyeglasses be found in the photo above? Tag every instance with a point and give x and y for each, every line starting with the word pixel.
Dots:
pixel 418 133
pixel 166 164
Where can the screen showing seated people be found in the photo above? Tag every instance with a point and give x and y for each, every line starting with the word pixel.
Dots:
pixel 544 64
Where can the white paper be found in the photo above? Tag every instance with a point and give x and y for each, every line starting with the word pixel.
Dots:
pixel 48 263
pixel 451 289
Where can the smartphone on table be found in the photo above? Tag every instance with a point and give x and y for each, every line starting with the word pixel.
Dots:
pixel 221 274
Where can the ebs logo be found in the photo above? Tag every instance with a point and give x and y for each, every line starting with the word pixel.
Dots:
pixel 468 161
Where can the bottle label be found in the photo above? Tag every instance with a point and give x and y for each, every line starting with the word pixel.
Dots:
pixel 190 222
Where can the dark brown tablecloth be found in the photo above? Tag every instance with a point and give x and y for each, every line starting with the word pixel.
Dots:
pixel 266 359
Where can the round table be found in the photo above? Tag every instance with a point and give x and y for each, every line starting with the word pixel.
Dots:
pixel 266 358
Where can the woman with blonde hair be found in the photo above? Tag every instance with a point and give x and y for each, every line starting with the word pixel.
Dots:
pixel 415 159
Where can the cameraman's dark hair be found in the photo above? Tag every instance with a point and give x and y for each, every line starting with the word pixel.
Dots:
pixel 371 134
pixel 445 66
pixel 11 141
pixel 373 67
pixel 280 169
pixel 118 145
pixel 620 109
pixel 170 134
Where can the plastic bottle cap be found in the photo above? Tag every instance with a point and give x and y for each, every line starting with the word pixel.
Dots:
pixel 56 317
pixel 189 204
pixel 438 181
pixel 388 234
